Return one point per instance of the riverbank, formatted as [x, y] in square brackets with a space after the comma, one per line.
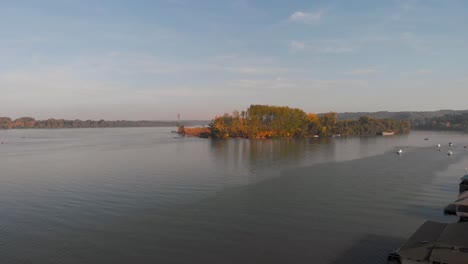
[32, 123]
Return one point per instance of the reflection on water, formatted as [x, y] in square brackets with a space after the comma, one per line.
[141, 195]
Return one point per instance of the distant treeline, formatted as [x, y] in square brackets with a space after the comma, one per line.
[264, 121]
[413, 116]
[457, 122]
[28, 122]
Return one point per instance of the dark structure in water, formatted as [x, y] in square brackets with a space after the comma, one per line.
[439, 243]
[434, 243]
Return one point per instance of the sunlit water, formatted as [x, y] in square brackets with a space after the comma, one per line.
[144, 195]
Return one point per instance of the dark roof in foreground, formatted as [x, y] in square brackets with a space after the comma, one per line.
[433, 241]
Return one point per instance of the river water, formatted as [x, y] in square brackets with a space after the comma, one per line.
[145, 195]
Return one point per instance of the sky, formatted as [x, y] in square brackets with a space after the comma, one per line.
[152, 59]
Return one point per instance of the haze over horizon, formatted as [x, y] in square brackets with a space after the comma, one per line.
[151, 60]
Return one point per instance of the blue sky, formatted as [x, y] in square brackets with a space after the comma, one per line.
[141, 59]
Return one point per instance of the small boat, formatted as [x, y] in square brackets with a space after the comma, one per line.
[390, 133]
[426, 139]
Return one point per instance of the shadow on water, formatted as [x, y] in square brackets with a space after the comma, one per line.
[312, 214]
[370, 249]
[345, 212]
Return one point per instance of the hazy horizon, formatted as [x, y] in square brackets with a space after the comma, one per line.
[210, 118]
[148, 60]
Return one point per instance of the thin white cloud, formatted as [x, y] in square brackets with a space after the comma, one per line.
[407, 36]
[365, 71]
[335, 50]
[127, 64]
[417, 72]
[338, 84]
[279, 83]
[176, 2]
[324, 47]
[62, 93]
[306, 17]
[295, 46]
[248, 8]
[162, 70]
[138, 63]
[395, 17]
[62, 83]
[415, 42]
[226, 57]
[257, 70]
[424, 71]
[262, 84]
[403, 7]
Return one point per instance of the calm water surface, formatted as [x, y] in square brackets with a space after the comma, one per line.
[143, 195]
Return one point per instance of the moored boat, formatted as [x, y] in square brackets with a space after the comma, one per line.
[386, 133]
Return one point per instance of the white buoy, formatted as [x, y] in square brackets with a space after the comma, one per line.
[450, 144]
[450, 153]
[399, 152]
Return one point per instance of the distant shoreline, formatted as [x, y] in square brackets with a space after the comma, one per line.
[31, 123]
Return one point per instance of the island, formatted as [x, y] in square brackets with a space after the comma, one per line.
[265, 121]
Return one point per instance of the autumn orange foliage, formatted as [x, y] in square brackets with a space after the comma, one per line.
[197, 131]
[265, 121]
